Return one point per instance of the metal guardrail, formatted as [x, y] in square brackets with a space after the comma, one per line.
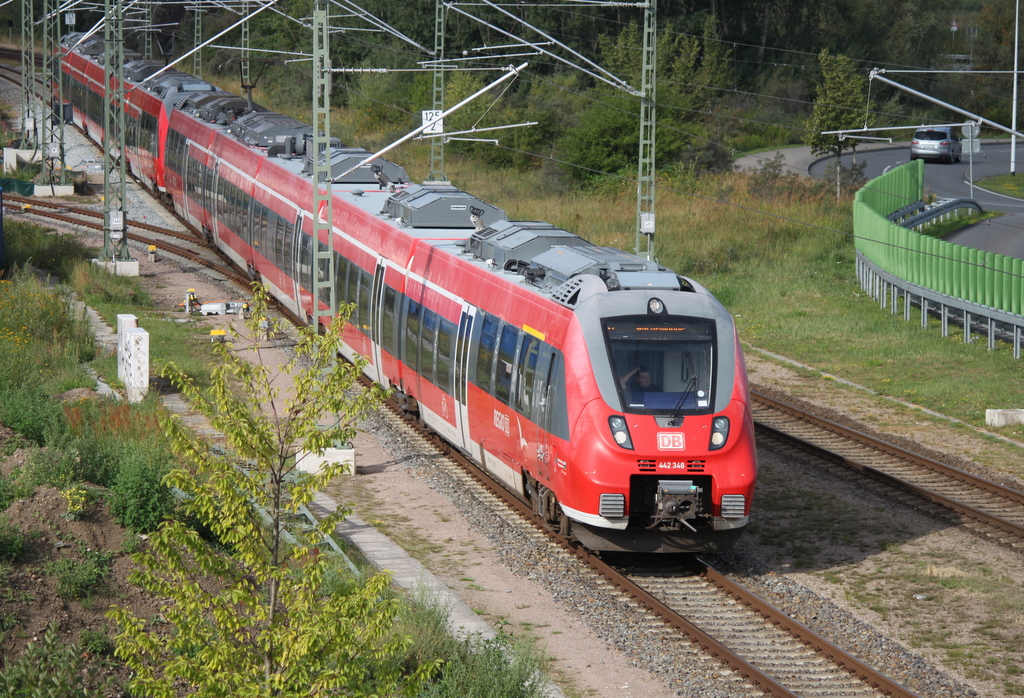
[941, 210]
[890, 290]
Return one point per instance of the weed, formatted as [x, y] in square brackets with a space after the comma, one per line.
[51, 667]
[13, 543]
[96, 642]
[79, 579]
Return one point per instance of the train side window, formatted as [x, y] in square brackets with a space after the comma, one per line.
[388, 329]
[365, 290]
[305, 259]
[323, 272]
[506, 361]
[341, 279]
[412, 336]
[352, 292]
[485, 353]
[445, 345]
[526, 370]
[266, 221]
[557, 406]
[427, 344]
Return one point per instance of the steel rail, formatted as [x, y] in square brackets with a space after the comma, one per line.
[177, 250]
[973, 481]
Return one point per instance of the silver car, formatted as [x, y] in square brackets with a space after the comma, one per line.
[936, 143]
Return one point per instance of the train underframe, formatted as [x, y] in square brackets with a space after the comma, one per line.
[669, 516]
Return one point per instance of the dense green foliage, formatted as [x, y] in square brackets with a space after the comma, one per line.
[51, 668]
[736, 77]
[261, 621]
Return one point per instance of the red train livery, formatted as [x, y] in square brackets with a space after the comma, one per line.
[608, 391]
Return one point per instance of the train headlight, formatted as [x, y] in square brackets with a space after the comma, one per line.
[655, 306]
[620, 432]
[719, 433]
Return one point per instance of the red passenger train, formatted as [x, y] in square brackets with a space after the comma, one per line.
[608, 391]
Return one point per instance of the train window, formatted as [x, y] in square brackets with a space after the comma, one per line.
[557, 409]
[340, 278]
[388, 329]
[427, 344]
[412, 335]
[365, 287]
[506, 359]
[323, 273]
[664, 365]
[266, 220]
[462, 361]
[485, 355]
[282, 242]
[173, 150]
[352, 291]
[526, 371]
[304, 266]
[445, 344]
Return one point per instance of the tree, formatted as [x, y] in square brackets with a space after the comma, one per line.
[839, 105]
[248, 613]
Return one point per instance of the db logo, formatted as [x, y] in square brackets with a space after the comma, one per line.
[671, 441]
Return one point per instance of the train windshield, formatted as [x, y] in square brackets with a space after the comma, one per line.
[663, 365]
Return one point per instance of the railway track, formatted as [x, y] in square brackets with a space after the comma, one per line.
[768, 651]
[980, 505]
[162, 238]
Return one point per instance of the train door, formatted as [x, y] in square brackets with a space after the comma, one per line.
[206, 194]
[546, 386]
[462, 349]
[215, 201]
[378, 317]
[294, 269]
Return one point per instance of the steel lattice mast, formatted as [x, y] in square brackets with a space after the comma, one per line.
[323, 255]
[115, 223]
[645, 173]
[437, 144]
[53, 125]
[28, 76]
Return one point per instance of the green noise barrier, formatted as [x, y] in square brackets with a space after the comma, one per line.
[975, 276]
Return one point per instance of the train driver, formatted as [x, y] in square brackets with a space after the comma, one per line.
[639, 381]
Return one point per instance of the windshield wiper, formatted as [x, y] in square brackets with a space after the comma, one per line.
[676, 418]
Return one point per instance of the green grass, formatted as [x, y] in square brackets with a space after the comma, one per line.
[1008, 185]
[940, 229]
[964, 607]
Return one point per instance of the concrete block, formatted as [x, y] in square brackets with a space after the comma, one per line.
[1004, 418]
[45, 190]
[310, 462]
[129, 268]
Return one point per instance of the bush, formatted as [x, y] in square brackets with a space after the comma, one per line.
[490, 669]
[51, 668]
[58, 467]
[13, 543]
[139, 501]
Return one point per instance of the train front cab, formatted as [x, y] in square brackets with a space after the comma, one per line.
[671, 468]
